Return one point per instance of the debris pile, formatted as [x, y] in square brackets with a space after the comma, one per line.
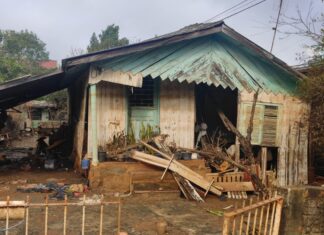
[234, 177]
[59, 190]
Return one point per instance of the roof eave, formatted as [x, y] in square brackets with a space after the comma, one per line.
[141, 46]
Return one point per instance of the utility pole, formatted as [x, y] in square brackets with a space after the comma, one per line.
[275, 28]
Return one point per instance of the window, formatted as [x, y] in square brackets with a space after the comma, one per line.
[144, 96]
[265, 123]
[270, 120]
[36, 114]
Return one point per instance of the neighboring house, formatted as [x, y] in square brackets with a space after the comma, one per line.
[34, 114]
[179, 79]
[48, 64]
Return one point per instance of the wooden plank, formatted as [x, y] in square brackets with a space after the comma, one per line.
[186, 188]
[77, 108]
[236, 186]
[176, 167]
[263, 164]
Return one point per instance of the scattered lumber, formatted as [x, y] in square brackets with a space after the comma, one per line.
[221, 155]
[177, 167]
[185, 186]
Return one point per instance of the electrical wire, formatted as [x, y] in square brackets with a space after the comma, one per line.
[236, 8]
[247, 8]
[214, 17]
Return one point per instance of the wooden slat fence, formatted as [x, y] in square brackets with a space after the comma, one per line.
[13, 210]
[262, 217]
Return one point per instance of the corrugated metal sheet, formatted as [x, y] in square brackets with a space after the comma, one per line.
[215, 59]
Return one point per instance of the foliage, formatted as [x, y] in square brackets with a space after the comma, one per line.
[20, 54]
[310, 24]
[312, 91]
[60, 98]
[108, 38]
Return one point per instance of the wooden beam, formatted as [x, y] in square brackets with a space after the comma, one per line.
[178, 168]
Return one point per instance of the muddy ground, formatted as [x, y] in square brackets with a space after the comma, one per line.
[140, 212]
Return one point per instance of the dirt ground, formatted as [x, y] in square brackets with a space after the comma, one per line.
[140, 212]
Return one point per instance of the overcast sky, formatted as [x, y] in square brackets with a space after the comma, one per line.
[67, 24]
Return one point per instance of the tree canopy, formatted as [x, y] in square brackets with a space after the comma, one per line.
[20, 54]
[108, 38]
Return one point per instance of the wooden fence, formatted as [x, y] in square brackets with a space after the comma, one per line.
[262, 217]
[20, 210]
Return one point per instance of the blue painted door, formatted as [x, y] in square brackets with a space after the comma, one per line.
[143, 106]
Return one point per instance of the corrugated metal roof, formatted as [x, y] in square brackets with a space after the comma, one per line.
[214, 59]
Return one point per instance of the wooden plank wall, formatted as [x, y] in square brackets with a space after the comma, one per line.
[177, 112]
[111, 112]
[293, 141]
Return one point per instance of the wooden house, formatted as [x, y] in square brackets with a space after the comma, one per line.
[175, 81]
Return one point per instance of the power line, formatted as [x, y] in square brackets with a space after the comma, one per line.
[275, 28]
[221, 13]
[237, 6]
[247, 8]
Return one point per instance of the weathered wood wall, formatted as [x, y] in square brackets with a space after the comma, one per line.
[111, 113]
[177, 112]
[293, 141]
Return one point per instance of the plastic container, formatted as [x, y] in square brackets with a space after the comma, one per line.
[85, 163]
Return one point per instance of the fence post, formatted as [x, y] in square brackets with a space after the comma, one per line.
[226, 225]
[27, 215]
[277, 219]
[119, 215]
[7, 216]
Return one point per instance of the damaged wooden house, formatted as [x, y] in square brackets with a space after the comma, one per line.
[173, 83]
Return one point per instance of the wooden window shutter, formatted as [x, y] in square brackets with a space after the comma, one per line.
[265, 123]
[270, 122]
[256, 136]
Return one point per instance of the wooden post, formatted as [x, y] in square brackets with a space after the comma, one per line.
[237, 153]
[276, 224]
[64, 215]
[93, 98]
[226, 225]
[264, 163]
[7, 216]
[27, 215]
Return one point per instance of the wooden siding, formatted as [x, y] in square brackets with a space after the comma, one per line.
[292, 141]
[177, 112]
[111, 113]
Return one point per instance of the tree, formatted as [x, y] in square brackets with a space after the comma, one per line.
[310, 25]
[20, 54]
[108, 38]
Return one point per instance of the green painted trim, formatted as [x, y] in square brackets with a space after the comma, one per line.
[127, 110]
[93, 100]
